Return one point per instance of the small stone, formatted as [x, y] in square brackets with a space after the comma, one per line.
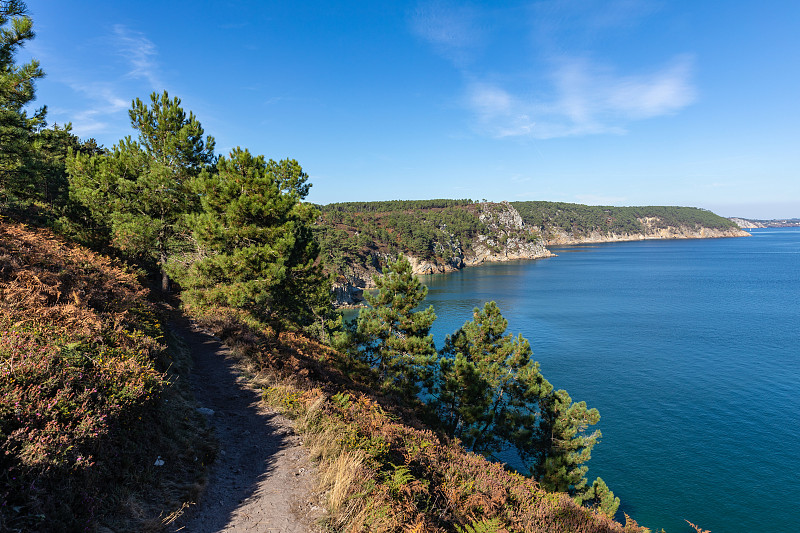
[205, 411]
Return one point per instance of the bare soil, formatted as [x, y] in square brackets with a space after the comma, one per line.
[262, 479]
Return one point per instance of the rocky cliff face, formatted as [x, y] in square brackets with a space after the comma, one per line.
[556, 236]
[772, 223]
[505, 238]
[744, 223]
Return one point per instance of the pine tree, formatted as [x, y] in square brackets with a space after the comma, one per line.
[399, 344]
[51, 146]
[600, 497]
[489, 385]
[255, 249]
[140, 190]
[563, 445]
[16, 91]
[491, 395]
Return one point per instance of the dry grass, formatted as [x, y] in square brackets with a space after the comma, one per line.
[382, 474]
[697, 528]
[89, 394]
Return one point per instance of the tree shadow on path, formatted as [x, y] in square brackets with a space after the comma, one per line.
[258, 452]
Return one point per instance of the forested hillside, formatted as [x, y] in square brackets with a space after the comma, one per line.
[578, 220]
[350, 232]
[357, 239]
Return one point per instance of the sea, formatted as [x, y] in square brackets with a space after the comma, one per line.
[690, 350]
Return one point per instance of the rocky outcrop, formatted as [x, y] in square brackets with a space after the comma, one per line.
[771, 223]
[744, 223]
[653, 230]
[505, 237]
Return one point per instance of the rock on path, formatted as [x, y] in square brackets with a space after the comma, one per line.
[262, 479]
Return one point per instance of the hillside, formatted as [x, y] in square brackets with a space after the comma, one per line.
[564, 223]
[358, 238]
[90, 394]
[89, 400]
[380, 468]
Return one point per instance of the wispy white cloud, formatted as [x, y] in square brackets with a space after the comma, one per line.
[585, 98]
[104, 104]
[105, 95]
[554, 18]
[453, 29]
[140, 53]
[576, 94]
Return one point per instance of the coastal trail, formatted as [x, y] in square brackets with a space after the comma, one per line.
[262, 479]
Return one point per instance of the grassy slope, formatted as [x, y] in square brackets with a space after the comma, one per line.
[85, 375]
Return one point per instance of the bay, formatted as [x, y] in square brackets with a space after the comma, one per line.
[690, 350]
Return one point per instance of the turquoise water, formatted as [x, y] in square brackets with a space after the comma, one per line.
[691, 352]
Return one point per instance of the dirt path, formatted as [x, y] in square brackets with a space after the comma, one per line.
[262, 479]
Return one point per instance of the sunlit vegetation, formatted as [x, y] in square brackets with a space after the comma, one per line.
[354, 233]
[380, 468]
[97, 429]
[83, 375]
[582, 220]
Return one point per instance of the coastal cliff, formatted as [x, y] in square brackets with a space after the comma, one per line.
[559, 237]
[437, 236]
[500, 234]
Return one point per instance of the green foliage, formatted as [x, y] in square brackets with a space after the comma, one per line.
[255, 250]
[399, 477]
[563, 445]
[392, 205]
[397, 339]
[582, 220]
[16, 92]
[600, 497]
[482, 525]
[490, 386]
[487, 390]
[51, 146]
[140, 190]
[436, 230]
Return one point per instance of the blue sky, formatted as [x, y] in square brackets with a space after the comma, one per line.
[617, 102]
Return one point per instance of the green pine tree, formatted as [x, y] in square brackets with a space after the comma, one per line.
[489, 385]
[563, 445]
[16, 92]
[600, 497]
[140, 190]
[398, 344]
[51, 146]
[491, 395]
[254, 247]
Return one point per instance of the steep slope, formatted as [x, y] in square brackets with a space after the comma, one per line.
[95, 426]
[358, 239]
[563, 223]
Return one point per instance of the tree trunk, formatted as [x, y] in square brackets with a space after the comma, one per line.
[164, 277]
